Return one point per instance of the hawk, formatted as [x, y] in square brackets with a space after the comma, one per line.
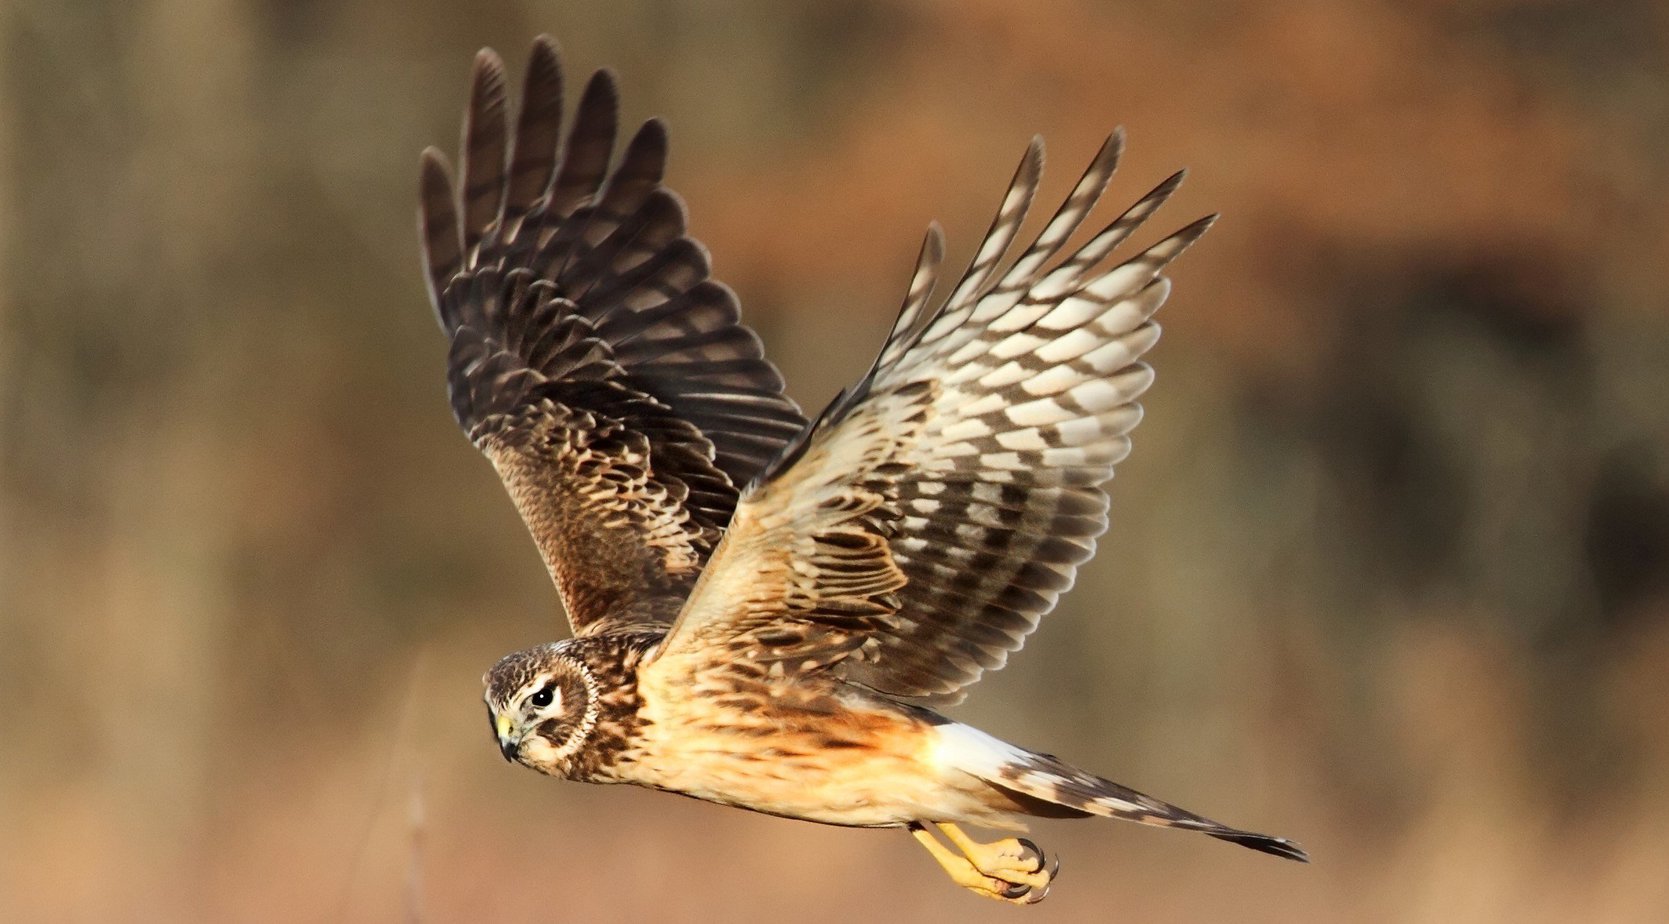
[765, 608]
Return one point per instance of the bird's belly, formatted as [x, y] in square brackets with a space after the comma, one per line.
[878, 778]
[861, 793]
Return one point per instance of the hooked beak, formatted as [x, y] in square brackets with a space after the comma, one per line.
[508, 743]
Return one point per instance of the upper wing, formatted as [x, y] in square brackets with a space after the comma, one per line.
[593, 360]
[914, 536]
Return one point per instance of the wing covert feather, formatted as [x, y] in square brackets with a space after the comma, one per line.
[913, 537]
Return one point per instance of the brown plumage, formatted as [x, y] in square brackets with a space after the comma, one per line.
[764, 607]
[593, 360]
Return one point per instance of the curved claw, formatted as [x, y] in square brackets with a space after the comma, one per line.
[1048, 865]
[1015, 891]
[1027, 895]
[1033, 853]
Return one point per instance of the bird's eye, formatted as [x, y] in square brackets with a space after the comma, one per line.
[542, 698]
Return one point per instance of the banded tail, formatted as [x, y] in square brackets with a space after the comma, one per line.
[1047, 778]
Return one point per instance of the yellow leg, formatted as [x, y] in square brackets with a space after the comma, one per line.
[1009, 870]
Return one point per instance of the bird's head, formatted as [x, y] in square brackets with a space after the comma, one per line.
[542, 704]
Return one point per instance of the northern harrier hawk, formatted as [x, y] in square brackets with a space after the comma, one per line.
[764, 607]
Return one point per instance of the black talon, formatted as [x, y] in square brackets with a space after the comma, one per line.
[1015, 890]
[1040, 895]
[1030, 847]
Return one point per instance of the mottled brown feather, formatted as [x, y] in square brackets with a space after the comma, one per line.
[593, 359]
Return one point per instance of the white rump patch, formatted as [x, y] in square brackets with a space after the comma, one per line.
[965, 748]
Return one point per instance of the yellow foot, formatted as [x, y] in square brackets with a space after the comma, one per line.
[1011, 870]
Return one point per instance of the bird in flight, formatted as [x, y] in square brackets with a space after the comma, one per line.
[766, 609]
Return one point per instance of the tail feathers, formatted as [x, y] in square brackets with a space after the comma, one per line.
[1046, 777]
[1263, 843]
[1052, 780]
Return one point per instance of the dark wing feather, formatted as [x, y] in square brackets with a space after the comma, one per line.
[936, 511]
[593, 360]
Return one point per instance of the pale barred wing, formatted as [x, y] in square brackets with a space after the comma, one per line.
[915, 536]
[593, 360]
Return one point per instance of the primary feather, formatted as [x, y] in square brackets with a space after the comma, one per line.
[913, 536]
[593, 359]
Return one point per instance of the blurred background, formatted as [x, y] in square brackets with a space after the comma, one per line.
[1388, 572]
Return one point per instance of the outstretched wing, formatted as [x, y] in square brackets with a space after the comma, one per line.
[914, 537]
[593, 360]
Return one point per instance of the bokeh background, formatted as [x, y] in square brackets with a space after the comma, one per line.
[1388, 573]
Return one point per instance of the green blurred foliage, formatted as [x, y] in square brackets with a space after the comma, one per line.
[1389, 569]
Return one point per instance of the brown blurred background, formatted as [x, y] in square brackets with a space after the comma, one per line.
[1388, 573]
